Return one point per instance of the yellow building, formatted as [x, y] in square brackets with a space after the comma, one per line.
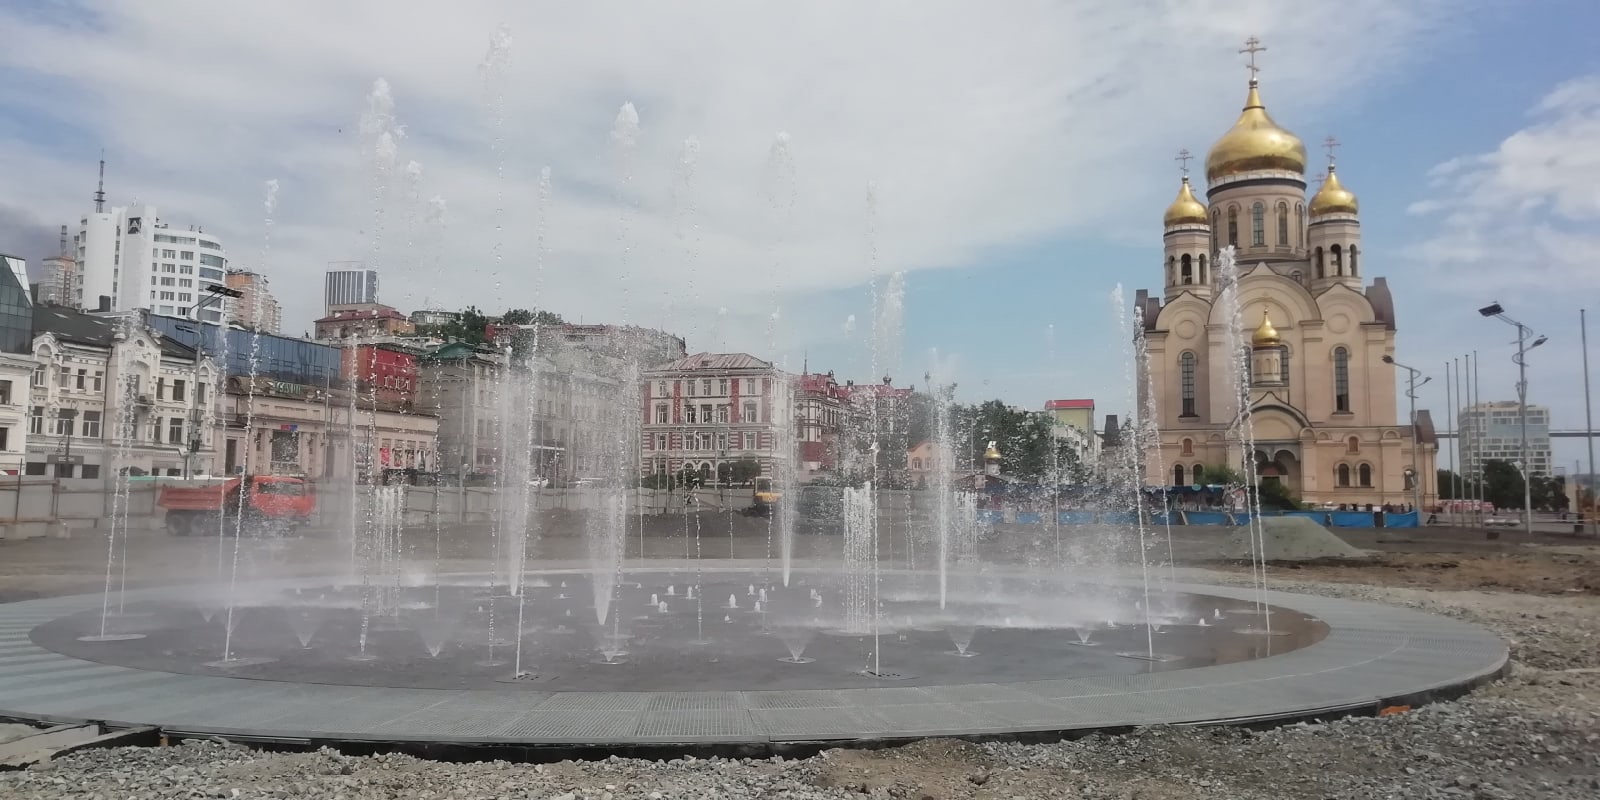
[1322, 399]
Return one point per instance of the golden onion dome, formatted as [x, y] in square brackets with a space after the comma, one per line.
[1186, 209]
[1333, 198]
[1266, 335]
[1255, 143]
[992, 454]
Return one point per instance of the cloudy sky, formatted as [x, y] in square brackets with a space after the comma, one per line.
[1013, 159]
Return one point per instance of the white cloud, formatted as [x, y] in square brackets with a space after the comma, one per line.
[1522, 219]
[982, 124]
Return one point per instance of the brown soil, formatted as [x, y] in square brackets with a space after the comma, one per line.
[1536, 572]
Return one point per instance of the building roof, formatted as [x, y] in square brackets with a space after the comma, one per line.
[72, 325]
[1057, 405]
[357, 314]
[714, 361]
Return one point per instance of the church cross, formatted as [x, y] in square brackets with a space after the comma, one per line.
[1330, 144]
[1183, 158]
[1252, 46]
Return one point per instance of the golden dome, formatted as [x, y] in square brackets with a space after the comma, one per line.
[1266, 335]
[1254, 143]
[1186, 209]
[992, 454]
[1333, 198]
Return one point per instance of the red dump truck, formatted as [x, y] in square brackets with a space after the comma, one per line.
[272, 503]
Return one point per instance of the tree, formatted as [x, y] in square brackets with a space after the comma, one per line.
[522, 316]
[746, 470]
[1502, 483]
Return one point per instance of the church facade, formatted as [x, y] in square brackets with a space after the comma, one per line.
[1310, 337]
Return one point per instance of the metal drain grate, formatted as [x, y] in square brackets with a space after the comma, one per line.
[885, 675]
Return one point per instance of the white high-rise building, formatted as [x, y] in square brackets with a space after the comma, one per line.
[350, 287]
[130, 255]
[1493, 432]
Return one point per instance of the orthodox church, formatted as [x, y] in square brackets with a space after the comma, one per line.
[1316, 333]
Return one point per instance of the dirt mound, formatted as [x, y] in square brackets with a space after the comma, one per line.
[1291, 539]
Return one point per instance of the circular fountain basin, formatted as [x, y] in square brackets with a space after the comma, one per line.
[711, 677]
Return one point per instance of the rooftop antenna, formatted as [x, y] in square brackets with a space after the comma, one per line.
[100, 190]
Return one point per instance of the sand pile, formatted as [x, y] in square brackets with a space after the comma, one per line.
[1291, 539]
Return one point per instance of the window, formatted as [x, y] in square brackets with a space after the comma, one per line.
[175, 431]
[1353, 271]
[1188, 447]
[161, 388]
[63, 470]
[1186, 270]
[1353, 445]
[1341, 380]
[169, 268]
[722, 387]
[5, 438]
[212, 274]
[1338, 259]
[705, 387]
[64, 423]
[749, 441]
[1203, 278]
[661, 413]
[1341, 475]
[1216, 224]
[185, 297]
[750, 386]
[34, 468]
[1177, 475]
[169, 282]
[212, 261]
[167, 295]
[661, 388]
[99, 380]
[689, 415]
[1258, 225]
[722, 414]
[81, 380]
[705, 413]
[722, 441]
[1283, 224]
[1283, 365]
[36, 420]
[1365, 474]
[189, 282]
[1300, 223]
[63, 377]
[91, 470]
[91, 424]
[690, 385]
[185, 269]
[187, 255]
[38, 376]
[749, 413]
[1186, 365]
[1172, 270]
[178, 385]
[165, 253]
[1316, 259]
[1233, 226]
[5, 393]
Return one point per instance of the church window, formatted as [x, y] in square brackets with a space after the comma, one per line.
[1258, 225]
[1283, 365]
[1177, 475]
[1297, 276]
[1341, 380]
[1364, 474]
[1203, 277]
[1216, 222]
[1172, 270]
[1317, 259]
[1187, 269]
[1188, 448]
[1283, 224]
[1186, 363]
[1233, 226]
[1353, 271]
[1353, 445]
[1341, 475]
[1338, 260]
[1300, 223]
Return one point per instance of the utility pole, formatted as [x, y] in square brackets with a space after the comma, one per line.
[1588, 423]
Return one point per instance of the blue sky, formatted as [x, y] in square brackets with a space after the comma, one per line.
[1021, 153]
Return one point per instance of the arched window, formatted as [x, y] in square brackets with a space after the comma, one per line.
[1199, 473]
[1203, 277]
[1353, 271]
[1283, 224]
[1365, 474]
[1258, 225]
[1341, 475]
[1317, 259]
[1353, 445]
[1341, 380]
[1297, 276]
[1283, 365]
[1300, 223]
[1216, 224]
[1233, 226]
[1338, 260]
[1188, 447]
[1172, 270]
[1177, 475]
[1186, 367]
[1186, 269]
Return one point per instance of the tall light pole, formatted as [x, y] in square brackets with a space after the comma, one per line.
[214, 295]
[1523, 346]
[1588, 422]
[1416, 463]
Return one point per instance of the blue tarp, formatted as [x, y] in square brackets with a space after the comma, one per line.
[1351, 519]
[1406, 520]
[1076, 517]
[1205, 517]
[1120, 518]
[986, 515]
[1030, 517]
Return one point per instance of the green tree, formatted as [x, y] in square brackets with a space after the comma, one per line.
[746, 470]
[1502, 484]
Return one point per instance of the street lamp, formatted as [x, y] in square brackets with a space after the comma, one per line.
[214, 294]
[1416, 465]
[1520, 359]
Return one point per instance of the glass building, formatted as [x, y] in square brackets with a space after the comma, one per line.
[16, 309]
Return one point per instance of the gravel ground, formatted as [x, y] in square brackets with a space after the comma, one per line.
[1534, 735]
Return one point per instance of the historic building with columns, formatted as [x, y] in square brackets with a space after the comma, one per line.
[1311, 333]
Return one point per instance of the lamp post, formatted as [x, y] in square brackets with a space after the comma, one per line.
[1523, 346]
[1416, 463]
[214, 295]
